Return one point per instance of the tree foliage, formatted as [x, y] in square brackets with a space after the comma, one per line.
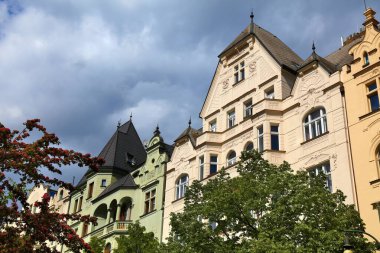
[267, 208]
[24, 155]
[97, 245]
[137, 241]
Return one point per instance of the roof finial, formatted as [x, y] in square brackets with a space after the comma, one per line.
[118, 123]
[313, 47]
[130, 117]
[157, 131]
[251, 25]
[190, 122]
[365, 5]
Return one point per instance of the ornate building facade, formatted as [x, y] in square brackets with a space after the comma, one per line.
[361, 80]
[264, 96]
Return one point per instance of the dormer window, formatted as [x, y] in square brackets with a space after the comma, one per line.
[131, 159]
[365, 59]
[239, 74]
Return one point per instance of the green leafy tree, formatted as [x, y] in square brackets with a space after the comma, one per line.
[267, 208]
[97, 245]
[137, 241]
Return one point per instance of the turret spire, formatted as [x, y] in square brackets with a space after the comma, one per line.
[251, 25]
[190, 122]
[157, 131]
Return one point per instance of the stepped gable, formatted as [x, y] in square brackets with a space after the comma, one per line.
[125, 182]
[278, 49]
[341, 56]
[123, 143]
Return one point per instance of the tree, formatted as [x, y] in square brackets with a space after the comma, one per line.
[24, 157]
[267, 208]
[137, 241]
[97, 245]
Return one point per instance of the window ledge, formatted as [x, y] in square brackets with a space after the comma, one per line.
[177, 200]
[229, 128]
[147, 214]
[375, 182]
[237, 83]
[369, 114]
[274, 150]
[365, 65]
[315, 138]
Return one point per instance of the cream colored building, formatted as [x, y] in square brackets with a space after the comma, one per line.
[361, 79]
[264, 96]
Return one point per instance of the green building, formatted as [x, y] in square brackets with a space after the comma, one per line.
[128, 187]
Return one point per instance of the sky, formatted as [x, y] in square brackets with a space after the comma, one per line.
[83, 66]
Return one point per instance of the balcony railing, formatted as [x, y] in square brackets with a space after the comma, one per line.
[109, 229]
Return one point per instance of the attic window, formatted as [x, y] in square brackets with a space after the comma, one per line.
[239, 74]
[269, 93]
[131, 159]
[365, 59]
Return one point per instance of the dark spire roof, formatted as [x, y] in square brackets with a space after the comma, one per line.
[191, 133]
[314, 57]
[279, 51]
[157, 131]
[123, 143]
[123, 183]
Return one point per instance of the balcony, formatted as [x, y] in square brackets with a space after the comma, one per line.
[109, 229]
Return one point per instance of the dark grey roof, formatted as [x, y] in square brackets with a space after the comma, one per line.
[123, 183]
[341, 57]
[191, 133]
[280, 52]
[124, 141]
[330, 67]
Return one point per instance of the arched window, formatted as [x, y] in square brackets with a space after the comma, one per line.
[231, 158]
[365, 58]
[378, 159]
[107, 249]
[249, 146]
[315, 124]
[181, 186]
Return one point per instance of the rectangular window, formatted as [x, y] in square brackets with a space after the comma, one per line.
[104, 183]
[230, 119]
[213, 164]
[373, 97]
[213, 126]
[274, 138]
[201, 167]
[75, 206]
[90, 190]
[325, 169]
[248, 108]
[150, 201]
[85, 229]
[260, 139]
[80, 204]
[239, 72]
[269, 93]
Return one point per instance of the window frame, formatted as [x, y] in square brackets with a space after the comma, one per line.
[90, 190]
[213, 125]
[180, 186]
[308, 123]
[231, 161]
[213, 164]
[150, 201]
[231, 118]
[269, 93]
[103, 183]
[365, 59]
[201, 167]
[322, 167]
[239, 72]
[248, 108]
[247, 144]
[373, 93]
[274, 134]
[260, 138]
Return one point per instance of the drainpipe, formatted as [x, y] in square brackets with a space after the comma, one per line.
[349, 148]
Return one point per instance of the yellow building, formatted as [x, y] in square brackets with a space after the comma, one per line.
[361, 80]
